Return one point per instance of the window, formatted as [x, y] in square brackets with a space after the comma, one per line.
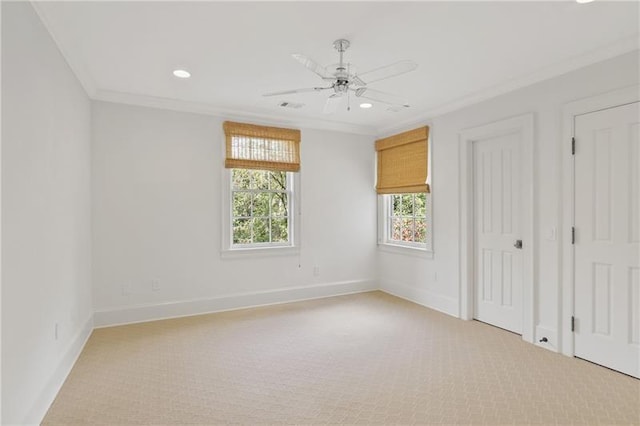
[405, 221]
[261, 194]
[407, 218]
[404, 216]
[260, 207]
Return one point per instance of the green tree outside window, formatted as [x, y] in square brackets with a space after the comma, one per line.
[260, 207]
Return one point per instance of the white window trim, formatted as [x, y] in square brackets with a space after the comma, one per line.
[412, 249]
[262, 249]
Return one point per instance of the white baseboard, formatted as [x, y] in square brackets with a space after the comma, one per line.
[151, 312]
[55, 382]
[438, 302]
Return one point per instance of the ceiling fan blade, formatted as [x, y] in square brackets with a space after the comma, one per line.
[358, 81]
[332, 103]
[378, 96]
[313, 66]
[289, 92]
[387, 71]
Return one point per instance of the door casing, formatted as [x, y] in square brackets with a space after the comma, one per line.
[566, 291]
[523, 124]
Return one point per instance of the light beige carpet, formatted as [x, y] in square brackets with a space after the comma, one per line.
[365, 358]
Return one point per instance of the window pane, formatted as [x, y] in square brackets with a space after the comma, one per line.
[242, 231]
[241, 178]
[278, 181]
[421, 231]
[407, 229]
[241, 204]
[280, 230]
[420, 206]
[407, 220]
[259, 207]
[396, 229]
[279, 204]
[261, 179]
[260, 230]
[261, 204]
[407, 205]
[395, 204]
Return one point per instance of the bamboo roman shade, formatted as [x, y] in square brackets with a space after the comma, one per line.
[261, 147]
[402, 162]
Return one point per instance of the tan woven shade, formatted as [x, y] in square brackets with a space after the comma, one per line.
[261, 147]
[402, 162]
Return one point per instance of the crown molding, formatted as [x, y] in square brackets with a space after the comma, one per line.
[418, 118]
[227, 113]
[610, 51]
[77, 67]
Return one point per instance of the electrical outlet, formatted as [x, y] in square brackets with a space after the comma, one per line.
[126, 290]
[316, 271]
[155, 285]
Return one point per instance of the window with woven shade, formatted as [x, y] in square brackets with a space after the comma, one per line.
[249, 146]
[262, 188]
[404, 191]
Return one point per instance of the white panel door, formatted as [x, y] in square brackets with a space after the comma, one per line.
[497, 262]
[607, 222]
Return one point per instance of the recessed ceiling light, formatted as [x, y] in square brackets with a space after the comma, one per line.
[366, 105]
[584, 1]
[182, 73]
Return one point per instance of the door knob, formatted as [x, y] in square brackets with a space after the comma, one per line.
[518, 244]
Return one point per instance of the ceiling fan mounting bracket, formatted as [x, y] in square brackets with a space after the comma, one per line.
[341, 45]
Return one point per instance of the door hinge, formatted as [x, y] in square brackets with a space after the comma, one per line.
[573, 146]
[573, 235]
[573, 323]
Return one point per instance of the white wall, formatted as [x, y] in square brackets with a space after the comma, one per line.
[46, 240]
[0, 220]
[157, 179]
[436, 282]
[142, 202]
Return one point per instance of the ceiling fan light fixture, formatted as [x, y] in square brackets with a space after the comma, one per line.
[181, 73]
[341, 78]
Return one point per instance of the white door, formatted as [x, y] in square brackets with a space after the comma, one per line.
[497, 226]
[607, 236]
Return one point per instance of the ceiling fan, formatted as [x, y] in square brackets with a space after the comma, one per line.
[343, 81]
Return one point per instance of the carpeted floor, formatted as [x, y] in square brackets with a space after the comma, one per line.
[365, 358]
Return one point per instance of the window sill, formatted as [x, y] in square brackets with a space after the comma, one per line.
[239, 253]
[406, 250]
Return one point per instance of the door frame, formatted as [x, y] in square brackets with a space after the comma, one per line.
[570, 111]
[523, 124]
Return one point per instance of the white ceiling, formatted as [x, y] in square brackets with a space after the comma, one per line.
[237, 51]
